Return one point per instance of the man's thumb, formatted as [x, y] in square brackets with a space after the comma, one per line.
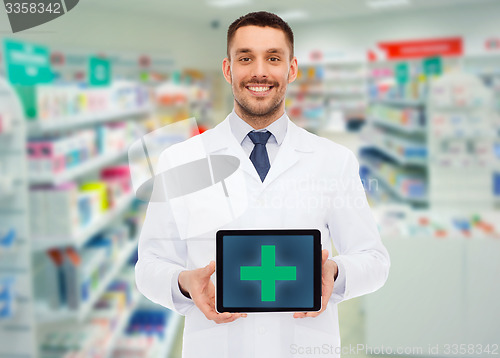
[210, 268]
[324, 255]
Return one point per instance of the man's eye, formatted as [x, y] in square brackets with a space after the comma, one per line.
[274, 59]
[245, 59]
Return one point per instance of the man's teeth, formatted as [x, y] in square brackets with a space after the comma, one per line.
[259, 89]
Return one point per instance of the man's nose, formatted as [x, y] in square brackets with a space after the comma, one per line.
[259, 69]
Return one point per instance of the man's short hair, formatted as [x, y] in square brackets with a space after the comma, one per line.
[262, 19]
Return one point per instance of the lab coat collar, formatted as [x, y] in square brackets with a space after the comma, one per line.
[297, 142]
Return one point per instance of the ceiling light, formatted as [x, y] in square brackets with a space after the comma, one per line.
[380, 4]
[293, 15]
[228, 3]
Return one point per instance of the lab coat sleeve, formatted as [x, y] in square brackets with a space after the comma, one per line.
[363, 260]
[162, 256]
[339, 285]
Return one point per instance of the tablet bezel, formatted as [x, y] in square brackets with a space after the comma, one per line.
[317, 261]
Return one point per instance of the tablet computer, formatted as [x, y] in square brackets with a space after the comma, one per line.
[268, 270]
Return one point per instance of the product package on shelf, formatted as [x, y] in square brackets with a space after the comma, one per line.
[6, 123]
[53, 291]
[54, 210]
[8, 237]
[7, 297]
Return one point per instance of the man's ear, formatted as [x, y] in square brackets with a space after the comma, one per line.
[292, 73]
[226, 70]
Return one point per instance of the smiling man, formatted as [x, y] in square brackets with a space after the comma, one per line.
[259, 74]
[285, 171]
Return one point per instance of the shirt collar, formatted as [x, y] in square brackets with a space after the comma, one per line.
[240, 128]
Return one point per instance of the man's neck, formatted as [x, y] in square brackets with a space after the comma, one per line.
[259, 122]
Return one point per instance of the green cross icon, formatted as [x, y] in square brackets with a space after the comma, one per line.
[268, 273]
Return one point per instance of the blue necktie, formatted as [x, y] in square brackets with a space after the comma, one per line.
[259, 155]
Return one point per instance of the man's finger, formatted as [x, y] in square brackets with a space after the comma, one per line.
[313, 314]
[209, 269]
[233, 317]
[299, 315]
[226, 317]
[208, 310]
[324, 257]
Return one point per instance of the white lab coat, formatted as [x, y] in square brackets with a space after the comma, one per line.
[312, 183]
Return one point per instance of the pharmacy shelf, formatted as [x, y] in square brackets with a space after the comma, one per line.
[336, 80]
[398, 158]
[79, 170]
[173, 327]
[42, 127]
[123, 323]
[397, 127]
[44, 315]
[17, 330]
[394, 155]
[391, 188]
[81, 238]
[400, 102]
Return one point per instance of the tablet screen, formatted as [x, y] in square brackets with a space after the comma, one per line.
[268, 270]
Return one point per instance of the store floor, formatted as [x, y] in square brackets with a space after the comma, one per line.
[351, 329]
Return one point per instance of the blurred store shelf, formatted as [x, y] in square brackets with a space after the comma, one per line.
[397, 193]
[122, 324]
[173, 326]
[45, 315]
[81, 169]
[37, 127]
[77, 241]
[398, 158]
[398, 127]
[400, 102]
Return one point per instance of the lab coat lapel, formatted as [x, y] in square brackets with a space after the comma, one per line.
[220, 140]
[295, 144]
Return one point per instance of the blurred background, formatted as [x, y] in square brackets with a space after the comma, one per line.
[411, 86]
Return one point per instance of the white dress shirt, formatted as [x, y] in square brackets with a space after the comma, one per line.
[240, 130]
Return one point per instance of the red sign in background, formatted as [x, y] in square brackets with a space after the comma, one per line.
[451, 46]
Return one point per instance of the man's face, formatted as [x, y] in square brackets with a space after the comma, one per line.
[259, 70]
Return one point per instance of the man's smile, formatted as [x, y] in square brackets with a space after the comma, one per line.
[259, 90]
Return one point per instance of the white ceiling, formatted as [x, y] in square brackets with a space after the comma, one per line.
[200, 11]
[182, 29]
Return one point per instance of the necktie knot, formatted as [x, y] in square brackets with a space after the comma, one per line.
[259, 137]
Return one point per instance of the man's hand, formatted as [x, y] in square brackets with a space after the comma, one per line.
[202, 291]
[328, 273]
